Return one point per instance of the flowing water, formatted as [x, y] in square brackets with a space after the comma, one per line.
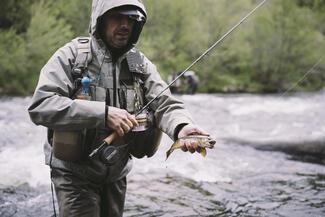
[245, 175]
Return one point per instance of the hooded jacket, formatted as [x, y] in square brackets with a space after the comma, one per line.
[53, 108]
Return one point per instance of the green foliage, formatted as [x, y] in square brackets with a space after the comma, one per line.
[15, 14]
[163, 35]
[289, 47]
[318, 7]
[76, 13]
[12, 63]
[175, 36]
[270, 52]
[23, 55]
[45, 34]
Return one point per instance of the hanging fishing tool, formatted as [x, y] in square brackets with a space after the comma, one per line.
[108, 140]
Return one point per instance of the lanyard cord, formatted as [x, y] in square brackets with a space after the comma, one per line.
[203, 55]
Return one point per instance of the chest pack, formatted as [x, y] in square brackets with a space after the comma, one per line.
[74, 145]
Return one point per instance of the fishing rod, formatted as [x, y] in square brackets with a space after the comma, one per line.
[304, 76]
[113, 136]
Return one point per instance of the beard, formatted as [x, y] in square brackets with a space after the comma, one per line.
[119, 38]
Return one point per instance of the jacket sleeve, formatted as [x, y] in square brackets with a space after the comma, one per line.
[170, 112]
[51, 105]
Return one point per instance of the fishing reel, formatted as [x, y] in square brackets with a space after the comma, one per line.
[145, 121]
[109, 155]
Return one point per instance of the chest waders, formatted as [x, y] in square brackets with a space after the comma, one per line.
[74, 146]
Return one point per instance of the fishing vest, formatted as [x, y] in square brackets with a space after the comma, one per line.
[128, 95]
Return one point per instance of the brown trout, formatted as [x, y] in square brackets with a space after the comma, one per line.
[202, 141]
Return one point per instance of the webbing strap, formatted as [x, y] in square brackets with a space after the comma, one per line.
[136, 64]
[84, 56]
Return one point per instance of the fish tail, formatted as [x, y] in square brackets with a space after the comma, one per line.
[204, 152]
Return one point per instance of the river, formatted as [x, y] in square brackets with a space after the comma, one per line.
[269, 160]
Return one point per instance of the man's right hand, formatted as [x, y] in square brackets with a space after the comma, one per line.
[120, 120]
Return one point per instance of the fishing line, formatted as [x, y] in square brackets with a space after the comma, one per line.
[304, 76]
[203, 55]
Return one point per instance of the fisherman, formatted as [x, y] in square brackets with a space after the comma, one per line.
[84, 95]
[192, 82]
[174, 88]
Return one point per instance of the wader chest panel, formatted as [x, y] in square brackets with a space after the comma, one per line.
[129, 92]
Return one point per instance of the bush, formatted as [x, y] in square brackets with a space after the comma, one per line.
[45, 34]
[23, 55]
[12, 63]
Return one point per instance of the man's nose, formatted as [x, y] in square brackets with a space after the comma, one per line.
[125, 21]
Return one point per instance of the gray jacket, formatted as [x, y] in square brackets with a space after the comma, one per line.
[53, 108]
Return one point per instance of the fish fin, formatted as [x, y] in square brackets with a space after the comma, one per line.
[204, 152]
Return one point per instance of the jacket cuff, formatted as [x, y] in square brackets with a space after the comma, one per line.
[178, 129]
[106, 115]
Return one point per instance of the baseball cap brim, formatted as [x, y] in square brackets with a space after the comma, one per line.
[132, 13]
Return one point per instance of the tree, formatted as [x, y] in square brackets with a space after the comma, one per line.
[19, 68]
[45, 34]
[268, 53]
[76, 13]
[15, 14]
[12, 63]
[284, 45]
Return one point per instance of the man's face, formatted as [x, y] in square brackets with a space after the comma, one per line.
[118, 29]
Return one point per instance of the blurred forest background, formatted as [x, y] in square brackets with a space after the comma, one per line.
[268, 53]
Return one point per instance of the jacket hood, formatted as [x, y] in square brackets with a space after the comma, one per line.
[100, 7]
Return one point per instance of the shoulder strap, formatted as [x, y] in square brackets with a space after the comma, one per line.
[134, 60]
[84, 55]
[136, 64]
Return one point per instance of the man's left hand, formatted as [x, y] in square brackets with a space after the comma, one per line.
[187, 144]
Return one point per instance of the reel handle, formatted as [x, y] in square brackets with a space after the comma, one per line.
[108, 140]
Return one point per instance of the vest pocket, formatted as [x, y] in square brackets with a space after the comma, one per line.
[130, 100]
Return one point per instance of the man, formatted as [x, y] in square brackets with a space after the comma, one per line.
[192, 82]
[94, 187]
